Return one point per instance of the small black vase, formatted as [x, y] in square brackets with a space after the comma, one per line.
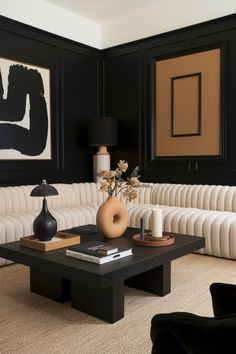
[45, 225]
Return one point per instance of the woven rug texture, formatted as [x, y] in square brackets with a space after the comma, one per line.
[33, 324]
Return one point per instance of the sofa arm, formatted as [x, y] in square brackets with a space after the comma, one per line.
[185, 333]
[223, 298]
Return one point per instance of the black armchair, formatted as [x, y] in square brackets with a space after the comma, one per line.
[186, 333]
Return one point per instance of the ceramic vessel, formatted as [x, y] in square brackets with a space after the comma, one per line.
[45, 225]
[112, 218]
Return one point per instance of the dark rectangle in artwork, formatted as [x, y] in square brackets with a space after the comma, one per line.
[184, 106]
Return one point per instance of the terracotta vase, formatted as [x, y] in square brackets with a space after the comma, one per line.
[112, 218]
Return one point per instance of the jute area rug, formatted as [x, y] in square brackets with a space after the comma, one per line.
[33, 324]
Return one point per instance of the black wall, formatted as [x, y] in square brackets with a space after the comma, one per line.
[75, 97]
[118, 81]
[129, 90]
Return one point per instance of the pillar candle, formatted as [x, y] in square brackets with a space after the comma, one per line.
[157, 222]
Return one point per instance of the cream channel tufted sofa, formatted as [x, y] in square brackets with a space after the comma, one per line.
[200, 210]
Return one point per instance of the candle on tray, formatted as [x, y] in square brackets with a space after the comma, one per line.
[156, 222]
[142, 228]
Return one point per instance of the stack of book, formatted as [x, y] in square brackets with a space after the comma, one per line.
[98, 252]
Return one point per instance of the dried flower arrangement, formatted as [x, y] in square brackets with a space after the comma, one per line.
[114, 184]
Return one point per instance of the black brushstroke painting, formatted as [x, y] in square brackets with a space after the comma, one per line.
[32, 141]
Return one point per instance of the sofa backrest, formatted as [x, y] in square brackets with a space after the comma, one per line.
[18, 200]
[222, 198]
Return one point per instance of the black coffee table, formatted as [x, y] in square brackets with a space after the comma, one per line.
[99, 289]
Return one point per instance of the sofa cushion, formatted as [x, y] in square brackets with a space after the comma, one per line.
[219, 228]
[75, 215]
[221, 198]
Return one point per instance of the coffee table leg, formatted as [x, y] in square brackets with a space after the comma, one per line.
[104, 303]
[156, 281]
[49, 285]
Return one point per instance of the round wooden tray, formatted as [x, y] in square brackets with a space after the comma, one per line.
[165, 240]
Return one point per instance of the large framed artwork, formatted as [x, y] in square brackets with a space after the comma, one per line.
[188, 106]
[25, 111]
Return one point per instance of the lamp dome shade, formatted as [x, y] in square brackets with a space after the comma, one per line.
[43, 190]
[102, 131]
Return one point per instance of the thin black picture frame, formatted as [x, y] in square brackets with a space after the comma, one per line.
[149, 157]
[173, 79]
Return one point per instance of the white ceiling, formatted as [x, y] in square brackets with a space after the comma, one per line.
[102, 10]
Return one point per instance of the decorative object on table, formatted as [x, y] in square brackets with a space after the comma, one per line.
[154, 237]
[112, 216]
[61, 239]
[149, 241]
[142, 228]
[102, 132]
[157, 222]
[45, 225]
[86, 229]
[87, 251]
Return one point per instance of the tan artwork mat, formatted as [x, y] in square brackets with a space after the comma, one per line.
[188, 119]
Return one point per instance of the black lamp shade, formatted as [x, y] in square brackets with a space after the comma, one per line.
[43, 190]
[102, 131]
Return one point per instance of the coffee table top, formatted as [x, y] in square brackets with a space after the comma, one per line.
[143, 258]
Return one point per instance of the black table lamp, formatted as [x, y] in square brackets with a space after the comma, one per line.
[102, 132]
[45, 225]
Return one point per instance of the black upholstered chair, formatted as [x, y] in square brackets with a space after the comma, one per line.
[186, 333]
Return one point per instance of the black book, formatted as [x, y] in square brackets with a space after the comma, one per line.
[89, 251]
[86, 229]
[107, 249]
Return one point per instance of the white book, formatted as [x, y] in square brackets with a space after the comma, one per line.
[83, 253]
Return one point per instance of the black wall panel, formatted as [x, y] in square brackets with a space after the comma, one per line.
[75, 97]
[80, 72]
[140, 103]
[121, 88]
[117, 81]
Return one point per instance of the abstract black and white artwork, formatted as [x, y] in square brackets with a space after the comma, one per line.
[25, 114]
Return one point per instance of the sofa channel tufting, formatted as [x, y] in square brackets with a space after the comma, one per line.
[199, 210]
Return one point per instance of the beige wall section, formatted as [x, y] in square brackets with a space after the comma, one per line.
[186, 105]
[160, 16]
[153, 18]
[46, 16]
[208, 64]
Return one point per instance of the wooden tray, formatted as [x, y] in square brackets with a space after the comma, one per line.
[60, 240]
[166, 240]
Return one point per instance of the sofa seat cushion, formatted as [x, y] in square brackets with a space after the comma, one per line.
[218, 227]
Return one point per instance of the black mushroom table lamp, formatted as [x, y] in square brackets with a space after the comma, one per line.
[45, 225]
[102, 132]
